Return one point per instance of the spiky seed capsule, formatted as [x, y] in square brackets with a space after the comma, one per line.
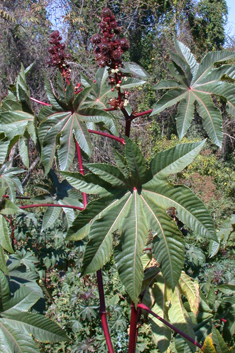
[96, 39]
[106, 12]
[124, 44]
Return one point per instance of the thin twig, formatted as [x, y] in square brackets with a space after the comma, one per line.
[51, 205]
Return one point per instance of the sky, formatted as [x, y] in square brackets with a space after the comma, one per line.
[231, 17]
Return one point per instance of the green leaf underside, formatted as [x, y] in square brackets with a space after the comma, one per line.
[99, 248]
[130, 212]
[39, 326]
[131, 244]
[168, 245]
[15, 341]
[190, 209]
[175, 160]
[81, 225]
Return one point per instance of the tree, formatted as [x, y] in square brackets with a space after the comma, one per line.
[207, 24]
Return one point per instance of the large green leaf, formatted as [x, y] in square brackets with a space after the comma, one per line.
[197, 82]
[67, 125]
[138, 203]
[223, 235]
[7, 207]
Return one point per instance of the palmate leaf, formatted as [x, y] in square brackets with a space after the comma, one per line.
[65, 123]
[135, 204]
[196, 83]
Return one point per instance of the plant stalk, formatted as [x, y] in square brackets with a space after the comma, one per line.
[51, 205]
[40, 102]
[136, 115]
[144, 307]
[119, 139]
[99, 273]
[133, 329]
[103, 312]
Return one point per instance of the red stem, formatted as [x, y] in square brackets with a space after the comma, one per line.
[40, 102]
[128, 128]
[51, 205]
[103, 312]
[133, 329]
[142, 113]
[80, 90]
[144, 307]
[119, 139]
[109, 109]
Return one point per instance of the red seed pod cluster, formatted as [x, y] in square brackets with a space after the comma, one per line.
[57, 56]
[108, 47]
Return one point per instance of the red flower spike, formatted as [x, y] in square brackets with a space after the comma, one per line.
[58, 58]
